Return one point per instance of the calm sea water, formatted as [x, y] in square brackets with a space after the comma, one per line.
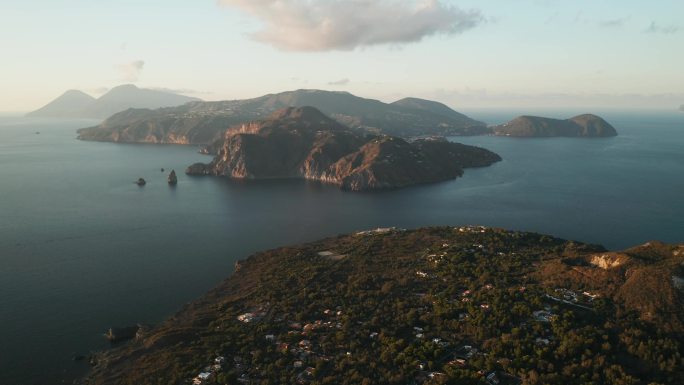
[82, 248]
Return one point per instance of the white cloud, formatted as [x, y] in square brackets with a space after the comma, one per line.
[131, 71]
[324, 25]
[341, 82]
[610, 23]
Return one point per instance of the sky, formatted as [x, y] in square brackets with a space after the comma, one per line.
[465, 53]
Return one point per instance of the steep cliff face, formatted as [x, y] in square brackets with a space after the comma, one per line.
[586, 125]
[304, 143]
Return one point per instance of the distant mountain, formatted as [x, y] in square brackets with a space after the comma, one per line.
[204, 122]
[76, 104]
[586, 125]
[70, 104]
[301, 142]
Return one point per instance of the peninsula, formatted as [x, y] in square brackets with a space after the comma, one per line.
[464, 305]
[301, 142]
[586, 125]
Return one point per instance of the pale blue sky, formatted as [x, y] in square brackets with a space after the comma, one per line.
[537, 53]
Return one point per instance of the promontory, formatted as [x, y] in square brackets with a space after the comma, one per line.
[446, 305]
[301, 142]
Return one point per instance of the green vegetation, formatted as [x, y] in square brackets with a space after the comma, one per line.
[436, 305]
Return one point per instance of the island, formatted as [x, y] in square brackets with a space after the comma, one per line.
[301, 142]
[457, 305]
[78, 104]
[202, 123]
[586, 125]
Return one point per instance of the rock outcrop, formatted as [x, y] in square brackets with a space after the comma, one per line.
[172, 178]
[304, 143]
[586, 125]
[114, 335]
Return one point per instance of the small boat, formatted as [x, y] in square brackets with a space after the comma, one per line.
[172, 179]
[141, 182]
[162, 169]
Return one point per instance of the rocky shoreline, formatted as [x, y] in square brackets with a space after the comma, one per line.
[305, 144]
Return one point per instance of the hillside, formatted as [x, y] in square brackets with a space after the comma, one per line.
[77, 104]
[465, 305]
[304, 143]
[586, 125]
[204, 122]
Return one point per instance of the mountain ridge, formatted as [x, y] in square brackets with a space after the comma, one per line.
[77, 104]
[204, 122]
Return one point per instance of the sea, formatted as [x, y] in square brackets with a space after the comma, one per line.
[83, 248]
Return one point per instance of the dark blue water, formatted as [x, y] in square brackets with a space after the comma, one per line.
[82, 248]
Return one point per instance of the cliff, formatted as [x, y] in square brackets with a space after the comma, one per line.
[586, 125]
[304, 143]
[205, 122]
[392, 306]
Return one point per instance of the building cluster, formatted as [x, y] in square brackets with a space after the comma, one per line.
[210, 371]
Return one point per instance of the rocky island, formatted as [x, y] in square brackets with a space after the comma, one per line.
[586, 125]
[456, 305]
[303, 143]
[205, 122]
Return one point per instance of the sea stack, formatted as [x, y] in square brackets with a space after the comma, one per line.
[172, 179]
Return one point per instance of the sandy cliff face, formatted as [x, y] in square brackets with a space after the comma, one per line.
[304, 143]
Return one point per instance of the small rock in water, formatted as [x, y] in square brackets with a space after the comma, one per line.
[172, 179]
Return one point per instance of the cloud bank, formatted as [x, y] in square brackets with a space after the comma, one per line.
[655, 28]
[325, 25]
[131, 71]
